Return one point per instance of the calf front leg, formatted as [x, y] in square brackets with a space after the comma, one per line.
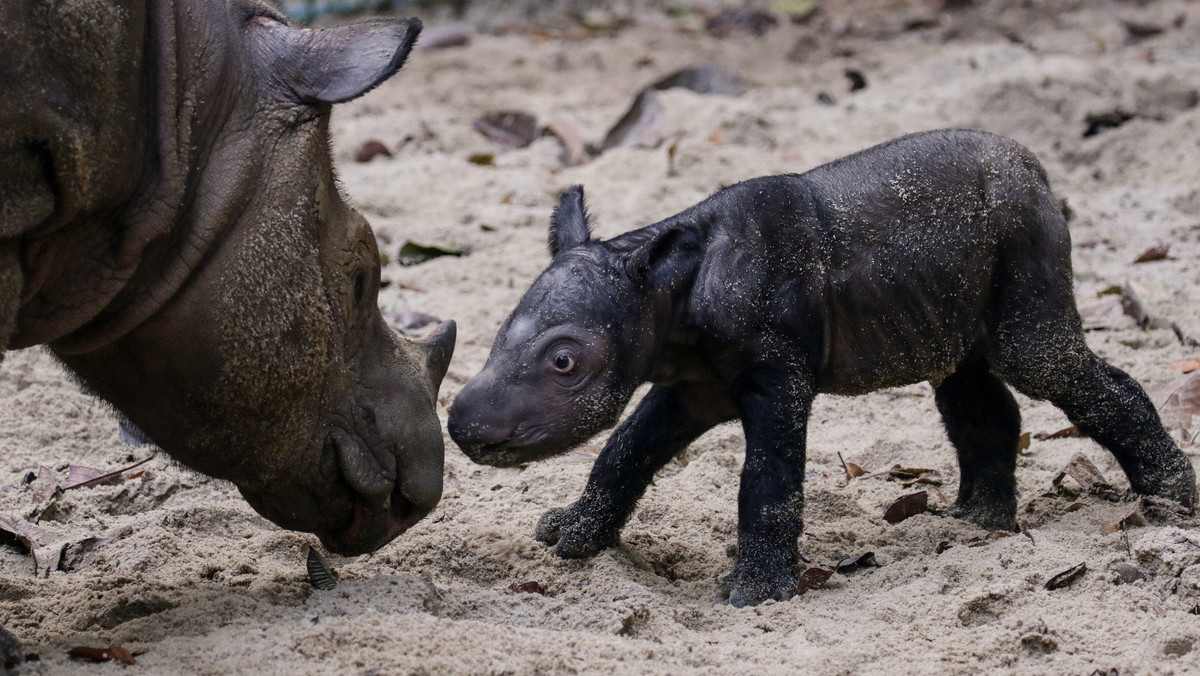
[774, 406]
[664, 423]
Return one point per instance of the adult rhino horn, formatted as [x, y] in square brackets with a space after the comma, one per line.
[329, 65]
[438, 348]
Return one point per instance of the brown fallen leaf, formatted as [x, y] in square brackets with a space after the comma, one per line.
[568, 135]
[813, 577]
[411, 253]
[531, 587]
[370, 150]
[1106, 313]
[482, 159]
[508, 128]
[88, 477]
[1178, 402]
[1064, 433]
[1067, 577]
[1154, 253]
[906, 506]
[1023, 442]
[1088, 476]
[44, 485]
[1185, 365]
[705, 79]
[852, 470]
[45, 545]
[640, 126]
[111, 653]
[989, 538]
[853, 563]
[1129, 517]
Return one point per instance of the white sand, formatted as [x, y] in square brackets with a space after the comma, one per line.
[187, 575]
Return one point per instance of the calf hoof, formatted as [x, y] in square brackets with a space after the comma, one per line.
[574, 533]
[992, 515]
[751, 585]
[1177, 484]
[10, 651]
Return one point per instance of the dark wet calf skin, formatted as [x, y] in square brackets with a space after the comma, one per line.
[940, 256]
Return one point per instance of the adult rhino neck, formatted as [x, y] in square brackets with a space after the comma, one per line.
[95, 272]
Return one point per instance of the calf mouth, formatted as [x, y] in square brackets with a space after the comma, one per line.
[381, 511]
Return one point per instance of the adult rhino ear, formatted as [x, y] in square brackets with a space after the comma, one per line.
[569, 224]
[330, 65]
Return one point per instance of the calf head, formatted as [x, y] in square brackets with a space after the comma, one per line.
[271, 365]
[567, 360]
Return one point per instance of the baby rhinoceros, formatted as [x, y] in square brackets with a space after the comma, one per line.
[940, 256]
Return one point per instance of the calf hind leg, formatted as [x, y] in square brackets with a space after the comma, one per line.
[984, 425]
[1108, 406]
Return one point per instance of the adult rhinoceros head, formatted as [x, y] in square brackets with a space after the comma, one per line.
[241, 332]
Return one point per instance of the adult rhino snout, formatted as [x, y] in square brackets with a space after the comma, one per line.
[395, 467]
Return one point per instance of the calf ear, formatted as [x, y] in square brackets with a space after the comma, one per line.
[330, 65]
[569, 224]
[661, 256]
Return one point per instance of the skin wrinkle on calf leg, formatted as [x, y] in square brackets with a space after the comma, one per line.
[984, 425]
[666, 420]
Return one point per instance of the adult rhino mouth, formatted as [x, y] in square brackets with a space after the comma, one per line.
[381, 511]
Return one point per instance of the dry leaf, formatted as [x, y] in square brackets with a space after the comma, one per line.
[508, 128]
[1067, 577]
[1178, 402]
[1064, 433]
[1154, 253]
[853, 563]
[641, 126]
[812, 578]
[1106, 313]
[113, 652]
[1128, 517]
[1087, 475]
[1186, 365]
[412, 253]
[531, 587]
[87, 477]
[44, 544]
[906, 506]
[44, 485]
[572, 143]
[370, 150]
[1023, 442]
[705, 79]
[989, 538]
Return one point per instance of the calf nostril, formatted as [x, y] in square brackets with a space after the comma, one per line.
[367, 413]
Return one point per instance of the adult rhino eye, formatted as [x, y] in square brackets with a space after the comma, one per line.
[360, 287]
[564, 363]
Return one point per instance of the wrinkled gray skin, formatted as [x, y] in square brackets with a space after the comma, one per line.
[171, 227]
[940, 256]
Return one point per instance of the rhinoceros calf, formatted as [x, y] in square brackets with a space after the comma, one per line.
[171, 227]
[940, 256]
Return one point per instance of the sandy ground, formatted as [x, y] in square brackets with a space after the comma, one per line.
[184, 573]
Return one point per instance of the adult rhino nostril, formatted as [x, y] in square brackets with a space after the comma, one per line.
[359, 467]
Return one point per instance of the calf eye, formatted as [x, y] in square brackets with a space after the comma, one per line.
[360, 287]
[564, 363]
